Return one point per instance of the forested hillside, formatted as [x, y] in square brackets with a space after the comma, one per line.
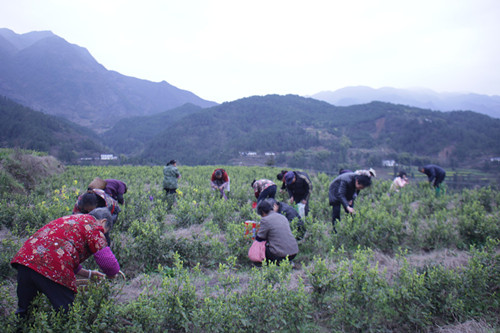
[131, 135]
[307, 133]
[21, 127]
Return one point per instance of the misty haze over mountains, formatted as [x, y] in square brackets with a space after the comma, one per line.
[148, 122]
[422, 98]
[44, 72]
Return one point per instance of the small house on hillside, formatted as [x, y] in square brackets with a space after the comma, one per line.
[108, 157]
[389, 163]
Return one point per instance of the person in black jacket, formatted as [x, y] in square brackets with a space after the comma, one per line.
[290, 213]
[435, 175]
[342, 192]
[299, 188]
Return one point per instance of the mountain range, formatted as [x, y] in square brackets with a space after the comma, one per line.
[46, 73]
[50, 85]
[307, 133]
[422, 98]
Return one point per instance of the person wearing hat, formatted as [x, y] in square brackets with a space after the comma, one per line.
[220, 182]
[299, 187]
[370, 172]
[171, 176]
[342, 192]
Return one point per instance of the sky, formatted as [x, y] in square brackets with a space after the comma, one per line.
[223, 50]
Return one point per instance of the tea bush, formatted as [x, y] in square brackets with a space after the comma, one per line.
[197, 251]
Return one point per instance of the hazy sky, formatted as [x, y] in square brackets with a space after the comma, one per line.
[223, 50]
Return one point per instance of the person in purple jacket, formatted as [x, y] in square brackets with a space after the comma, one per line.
[116, 189]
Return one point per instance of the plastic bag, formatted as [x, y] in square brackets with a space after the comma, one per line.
[257, 252]
[301, 208]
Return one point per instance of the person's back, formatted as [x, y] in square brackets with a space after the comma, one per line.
[45, 252]
[115, 188]
[170, 177]
[302, 185]
[342, 188]
[275, 229]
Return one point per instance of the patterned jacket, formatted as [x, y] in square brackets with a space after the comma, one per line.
[260, 185]
[56, 250]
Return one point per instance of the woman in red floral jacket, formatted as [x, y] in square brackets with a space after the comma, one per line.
[50, 258]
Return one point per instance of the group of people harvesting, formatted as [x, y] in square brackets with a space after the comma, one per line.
[51, 258]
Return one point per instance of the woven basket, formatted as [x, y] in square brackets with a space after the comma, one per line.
[98, 183]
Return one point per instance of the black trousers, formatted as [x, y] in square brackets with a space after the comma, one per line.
[269, 192]
[273, 258]
[336, 213]
[336, 207]
[30, 283]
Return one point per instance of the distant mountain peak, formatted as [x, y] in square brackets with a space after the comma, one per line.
[417, 97]
[45, 72]
[21, 41]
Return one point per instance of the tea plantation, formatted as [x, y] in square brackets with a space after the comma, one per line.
[405, 262]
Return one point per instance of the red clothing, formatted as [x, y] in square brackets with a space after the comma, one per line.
[225, 177]
[57, 249]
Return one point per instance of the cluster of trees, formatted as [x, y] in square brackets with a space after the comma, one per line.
[22, 127]
[311, 134]
[303, 132]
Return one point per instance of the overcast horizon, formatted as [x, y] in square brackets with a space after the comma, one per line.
[225, 50]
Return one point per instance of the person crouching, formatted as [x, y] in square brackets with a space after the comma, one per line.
[275, 230]
[50, 258]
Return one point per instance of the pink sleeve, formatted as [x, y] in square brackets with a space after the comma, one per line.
[107, 261]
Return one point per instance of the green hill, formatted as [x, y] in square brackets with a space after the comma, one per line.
[131, 135]
[307, 133]
[21, 127]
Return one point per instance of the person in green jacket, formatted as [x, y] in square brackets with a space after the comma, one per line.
[170, 177]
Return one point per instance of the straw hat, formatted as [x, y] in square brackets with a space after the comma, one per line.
[97, 183]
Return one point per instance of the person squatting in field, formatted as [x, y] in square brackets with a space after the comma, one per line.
[275, 230]
[171, 176]
[50, 258]
[290, 213]
[342, 192]
[299, 188]
[435, 175]
[220, 182]
[263, 189]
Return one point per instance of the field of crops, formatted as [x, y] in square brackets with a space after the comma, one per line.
[405, 262]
